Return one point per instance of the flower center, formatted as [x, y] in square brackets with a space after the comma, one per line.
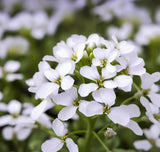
[74, 56]
[64, 138]
[76, 102]
[107, 109]
[104, 62]
[15, 115]
[146, 92]
[100, 82]
[157, 116]
[58, 81]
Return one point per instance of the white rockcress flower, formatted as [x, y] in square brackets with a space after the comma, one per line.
[7, 71]
[152, 111]
[55, 144]
[69, 98]
[149, 88]
[153, 138]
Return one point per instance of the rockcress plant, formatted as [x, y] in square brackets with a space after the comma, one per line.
[87, 74]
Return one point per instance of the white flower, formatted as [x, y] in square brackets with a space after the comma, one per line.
[152, 135]
[123, 47]
[69, 98]
[72, 50]
[8, 70]
[152, 111]
[149, 88]
[133, 64]
[55, 144]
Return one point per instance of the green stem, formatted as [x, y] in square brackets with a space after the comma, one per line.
[107, 125]
[102, 143]
[88, 137]
[76, 132]
[136, 87]
[128, 99]
[46, 130]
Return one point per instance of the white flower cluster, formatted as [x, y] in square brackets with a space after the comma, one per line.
[87, 73]
[17, 122]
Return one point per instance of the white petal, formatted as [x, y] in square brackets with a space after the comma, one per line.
[90, 72]
[124, 82]
[132, 110]
[125, 48]
[118, 115]
[158, 142]
[142, 144]
[104, 95]
[110, 84]
[22, 132]
[62, 51]
[109, 71]
[67, 113]
[151, 108]
[153, 132]
[66, 98]
[14, 107]
[43, 65]
[51, 74]
[46, 89]
[96, 62]
[58, 128]
[7, 133]
[134, 127]
[5, 120]
[90, 108]
[99, 53]
[39, 109]
[66, 67]
[45, 120]
[12, 66]
[3, 106]
[72, 147]
[52, 145]
[13, 77]
[155, 98]
[86, 89]
[67, 82]
[49, 58]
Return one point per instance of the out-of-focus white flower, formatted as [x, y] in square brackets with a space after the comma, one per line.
[14, 46]
[4, 20]
[146, 33]
[55, 144]
[121, 33]
[18, 121]
[152, 136]
[124, 10]
[8, 70]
